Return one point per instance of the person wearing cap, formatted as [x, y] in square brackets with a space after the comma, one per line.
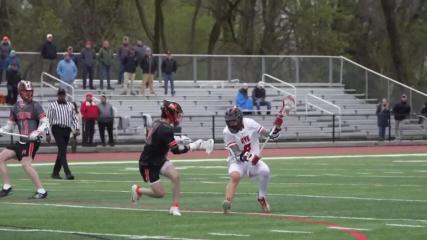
[258, 98]
[49, 53]
[401, 111]
[63, 120]
[67, 72]
[90, 113]
[5, 50]
[149, 68]
[88, 57]
[106, 120]
[243, 101]
[169, 68]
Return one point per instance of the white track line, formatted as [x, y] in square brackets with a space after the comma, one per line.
[347, 228]
[95, 234]
[210, 212]
[265, 158]
[405, 225]
[288, 231]
[229, 234]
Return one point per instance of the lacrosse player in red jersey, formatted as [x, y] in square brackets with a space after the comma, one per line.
[153, 161]
[241, 139]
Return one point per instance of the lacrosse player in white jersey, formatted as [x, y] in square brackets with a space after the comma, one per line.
[241, 138]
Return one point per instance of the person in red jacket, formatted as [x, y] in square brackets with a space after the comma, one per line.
[90, 113]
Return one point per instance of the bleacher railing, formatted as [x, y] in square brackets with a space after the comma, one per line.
[294, 89]
[51, 84]
[310, 102]
[290, 68]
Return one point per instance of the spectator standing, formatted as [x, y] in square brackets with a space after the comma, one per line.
[13, 59]
[88, 57]
[5, 49]
[63, 120]
[105, 58]
[169, 68]
[423, 118]
[90, 113]
[383, 118]
[130, 63]
[49, 54]
[106, 120]
[121, 54]
[400, 111]
[243, 101]
[13, 77]
[73, 56]
[140, 50]
[67, 71]
[258, 98]
[149, 68]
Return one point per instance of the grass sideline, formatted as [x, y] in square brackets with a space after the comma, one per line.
[319, 197]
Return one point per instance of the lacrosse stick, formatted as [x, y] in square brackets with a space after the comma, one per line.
[16, 135]
[288, 105]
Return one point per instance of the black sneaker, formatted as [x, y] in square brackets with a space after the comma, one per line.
[5, 192]
[38, 195]
[56, 176]
[69, 177]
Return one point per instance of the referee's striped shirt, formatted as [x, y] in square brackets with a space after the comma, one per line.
[62, 115]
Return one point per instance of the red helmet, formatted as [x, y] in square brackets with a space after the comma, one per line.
[25, 89]
[172, 112]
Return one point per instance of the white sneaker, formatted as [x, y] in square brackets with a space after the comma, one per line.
[174, 211]
[135, 195]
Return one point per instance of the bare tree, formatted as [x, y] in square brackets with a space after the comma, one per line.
[142, 18]
[193, 25]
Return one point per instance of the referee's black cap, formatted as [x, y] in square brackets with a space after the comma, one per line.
[61, 91]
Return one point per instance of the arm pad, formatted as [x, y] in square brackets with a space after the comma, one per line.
[44, 125]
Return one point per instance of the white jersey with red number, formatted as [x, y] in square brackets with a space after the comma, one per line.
[246, 139]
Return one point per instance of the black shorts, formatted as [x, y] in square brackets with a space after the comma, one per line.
[24, 149]
[150, 174]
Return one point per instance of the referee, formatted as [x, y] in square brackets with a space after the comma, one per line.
[63, 120]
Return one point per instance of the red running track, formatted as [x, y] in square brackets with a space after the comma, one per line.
[266, 153]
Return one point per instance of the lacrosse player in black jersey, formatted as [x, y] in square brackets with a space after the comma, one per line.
[153, 161]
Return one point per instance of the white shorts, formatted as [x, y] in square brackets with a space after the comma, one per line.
[246, 169]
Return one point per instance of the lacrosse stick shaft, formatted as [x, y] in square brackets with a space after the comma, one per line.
[15, 134]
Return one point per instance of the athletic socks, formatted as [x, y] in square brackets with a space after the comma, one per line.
[263, 185]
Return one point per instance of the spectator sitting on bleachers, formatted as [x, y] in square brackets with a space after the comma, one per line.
[258, 97]
[243, 101]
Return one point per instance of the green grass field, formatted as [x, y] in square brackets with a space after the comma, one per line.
[379, 197]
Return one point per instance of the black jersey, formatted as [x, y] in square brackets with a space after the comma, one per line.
[159, 140]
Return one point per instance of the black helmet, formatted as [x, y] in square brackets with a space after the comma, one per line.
[172, 112]
[234, 119]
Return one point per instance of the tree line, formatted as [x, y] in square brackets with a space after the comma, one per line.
[387, 35]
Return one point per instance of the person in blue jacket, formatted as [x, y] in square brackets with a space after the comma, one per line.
[67, 71]
[243, 101]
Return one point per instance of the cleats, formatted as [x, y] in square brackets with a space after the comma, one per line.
[135, 195]
[5, 192]
[265, 207]
[38, 195]
[174, 210]
[226, 206]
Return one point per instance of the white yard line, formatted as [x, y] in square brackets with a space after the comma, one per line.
[405, 225]
[265, 158]
[229, 234]
[289, 231]
[127, 236]
[209, 212]
[410, 161]
[347, 228]
[306, 175]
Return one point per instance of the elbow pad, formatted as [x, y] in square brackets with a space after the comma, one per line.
[44, 125]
